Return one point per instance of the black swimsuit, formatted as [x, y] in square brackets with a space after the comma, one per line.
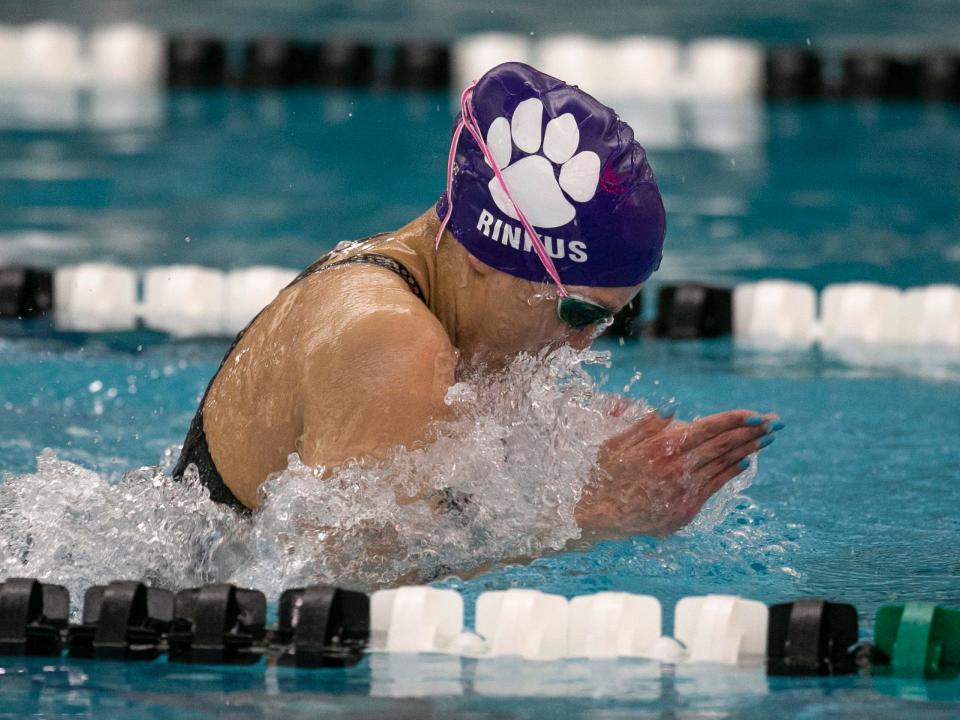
[195, 450]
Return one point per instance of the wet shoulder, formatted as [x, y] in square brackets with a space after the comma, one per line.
[365, 300]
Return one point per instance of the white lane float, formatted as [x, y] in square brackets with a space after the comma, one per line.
[523, 623]
[473, 55]
[861, 313]
[722, 629]
[183, 300]
[95, 297]
[415, 619]
[931, 316]
[51, 53]
[126, 54]
[613, 624]
[642, 66]
[724, 67]
[775, 312]
[579, 60]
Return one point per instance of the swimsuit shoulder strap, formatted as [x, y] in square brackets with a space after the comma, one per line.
[388, 263]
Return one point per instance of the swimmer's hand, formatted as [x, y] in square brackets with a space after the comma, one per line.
[654, 477]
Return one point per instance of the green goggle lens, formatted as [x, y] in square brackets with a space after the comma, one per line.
[579, 313]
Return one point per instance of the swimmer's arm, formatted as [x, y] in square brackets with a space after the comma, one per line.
[393, 368]
[654, 477]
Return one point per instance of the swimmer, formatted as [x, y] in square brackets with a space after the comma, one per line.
[550, 223]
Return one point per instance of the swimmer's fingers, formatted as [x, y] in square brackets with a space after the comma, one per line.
[723, 445]
[704, 429]
[643, 429]
[722, 470]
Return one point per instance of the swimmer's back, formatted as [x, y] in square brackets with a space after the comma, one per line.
[291, 382]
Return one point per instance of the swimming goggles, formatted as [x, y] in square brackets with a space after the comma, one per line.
[579, 313]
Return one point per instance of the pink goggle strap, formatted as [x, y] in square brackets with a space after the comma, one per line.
[468, 121]
[450, 156]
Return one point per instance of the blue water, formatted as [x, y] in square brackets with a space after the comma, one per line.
[856, 500]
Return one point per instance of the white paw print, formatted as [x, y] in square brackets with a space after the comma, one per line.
[532, 180]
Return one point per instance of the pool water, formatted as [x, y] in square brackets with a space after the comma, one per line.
[856, 500]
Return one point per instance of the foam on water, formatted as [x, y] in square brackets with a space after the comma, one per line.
[500, 482]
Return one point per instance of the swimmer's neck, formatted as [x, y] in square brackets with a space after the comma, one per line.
[442, 275]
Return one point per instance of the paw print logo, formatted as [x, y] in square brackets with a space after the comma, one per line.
[543, 194]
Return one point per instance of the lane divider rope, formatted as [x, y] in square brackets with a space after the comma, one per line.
[193, 301]
[621, 67]
[326, 626]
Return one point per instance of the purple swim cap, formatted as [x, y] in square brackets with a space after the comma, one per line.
[575, 172]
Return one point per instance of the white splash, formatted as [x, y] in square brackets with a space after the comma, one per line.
[500, 482]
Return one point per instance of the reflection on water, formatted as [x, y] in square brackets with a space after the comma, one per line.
[450, 687]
